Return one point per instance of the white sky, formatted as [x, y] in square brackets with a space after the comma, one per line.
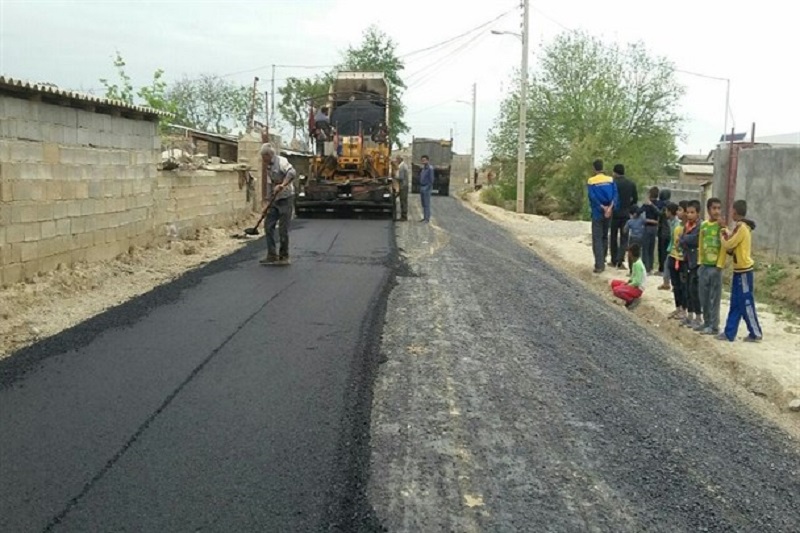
[71, 43]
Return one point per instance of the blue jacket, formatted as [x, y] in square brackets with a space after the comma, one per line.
[635, 228]
[426, 176]
[602, 192]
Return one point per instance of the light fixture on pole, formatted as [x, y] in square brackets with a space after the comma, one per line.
[523, 107]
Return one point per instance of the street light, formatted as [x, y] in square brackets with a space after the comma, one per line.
[727, 95]
[523, 106]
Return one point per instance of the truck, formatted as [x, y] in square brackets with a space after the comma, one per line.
[353, 172]
[440, 155]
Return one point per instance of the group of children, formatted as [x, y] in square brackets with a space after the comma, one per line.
[697, 253]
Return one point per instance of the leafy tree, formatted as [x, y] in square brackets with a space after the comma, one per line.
[377, 52]
[153, 95]
[123, 90]
[297, 96]
[589, 100]
[212, 104]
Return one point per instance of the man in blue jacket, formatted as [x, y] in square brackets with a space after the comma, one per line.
[426, 188]
[603, 196]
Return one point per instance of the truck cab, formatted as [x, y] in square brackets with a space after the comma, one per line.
[440, 156]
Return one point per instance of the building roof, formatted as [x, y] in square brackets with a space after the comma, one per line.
[220, 138]
[693, 159]
[51, 93]
[706, 170]
[784, 138]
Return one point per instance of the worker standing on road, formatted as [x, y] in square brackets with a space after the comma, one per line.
[426, 188]
[277, 175]
[402, 181]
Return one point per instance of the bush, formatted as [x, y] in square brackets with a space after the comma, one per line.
[492, 196]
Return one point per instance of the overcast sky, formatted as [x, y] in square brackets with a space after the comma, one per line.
[71, 43]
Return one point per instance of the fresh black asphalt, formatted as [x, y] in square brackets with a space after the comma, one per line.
[234, 399]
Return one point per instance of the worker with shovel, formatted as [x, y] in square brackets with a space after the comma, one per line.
[277, 192]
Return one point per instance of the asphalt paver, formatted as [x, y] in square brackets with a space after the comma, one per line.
[233, 399]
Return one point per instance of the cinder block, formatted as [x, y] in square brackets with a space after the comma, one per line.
[60, 210]
[82, 190]
[77, 225]
[44, 212]
[29, 251]
[38, 191]
[12, 274]
[88, 207]
[22, 190]
[27, 213]
[84, 240]
[6, 194]
[96, 189]
[29, 130]
[51, 153]
[48, 229]
[74, 208]
[33, 231]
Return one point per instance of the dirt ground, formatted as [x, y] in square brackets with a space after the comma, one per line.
[58, 300]
[770, 369]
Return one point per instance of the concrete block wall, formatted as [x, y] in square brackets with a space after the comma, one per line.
[769, 180]
[188, 200]
[82, 186]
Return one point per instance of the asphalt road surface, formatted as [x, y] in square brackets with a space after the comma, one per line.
[234, 399]
[513, 400]
[503, 397]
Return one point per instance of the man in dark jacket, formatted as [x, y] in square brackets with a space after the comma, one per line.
[664, 233]
[628, 196]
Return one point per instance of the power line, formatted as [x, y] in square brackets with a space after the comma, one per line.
[433, 71]
[448, 41]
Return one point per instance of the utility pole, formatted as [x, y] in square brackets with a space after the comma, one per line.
[272, 110]
[523, 111]
[474, 111]
[727, 108]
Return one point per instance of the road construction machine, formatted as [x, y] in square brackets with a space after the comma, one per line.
[351, 171]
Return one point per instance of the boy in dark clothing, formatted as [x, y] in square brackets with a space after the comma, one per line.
[664, 229]
[634, 231]
[689, 242]
[628, 196]
[651, 214]
[675, 263]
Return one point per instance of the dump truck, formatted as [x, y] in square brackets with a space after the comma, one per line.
[440, 155]
[353, 172]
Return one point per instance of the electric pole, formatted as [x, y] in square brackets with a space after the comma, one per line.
[272, 109]
[474, 112]
[523, 112]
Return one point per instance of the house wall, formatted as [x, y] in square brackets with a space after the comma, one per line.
[769, 180]
[82, 186]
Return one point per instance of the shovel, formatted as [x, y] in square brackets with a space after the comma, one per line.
[254, 229]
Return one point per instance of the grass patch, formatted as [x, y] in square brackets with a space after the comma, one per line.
[777, 282]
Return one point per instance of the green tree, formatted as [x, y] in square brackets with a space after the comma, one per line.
[296, 98]
[210, 103]
[590, 99]
[121, 91]
[377, 53]
[153, 95]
